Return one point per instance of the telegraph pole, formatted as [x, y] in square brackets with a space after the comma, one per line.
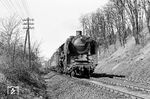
[28, 24]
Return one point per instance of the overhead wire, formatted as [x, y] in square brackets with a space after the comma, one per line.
[10, 5]
[28, 6]
[18, 12]
[14, 7]
[25, 6]
[5, 5]
[20, 8]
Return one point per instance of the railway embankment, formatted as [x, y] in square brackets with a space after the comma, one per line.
[130, 60]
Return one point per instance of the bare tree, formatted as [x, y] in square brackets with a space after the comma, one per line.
[9, 31]
[146, 7]
[110, 17]
[120, 20]
[132, 9]
[86, 24]
[10, 36]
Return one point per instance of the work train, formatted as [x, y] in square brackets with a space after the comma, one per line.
[76, 57]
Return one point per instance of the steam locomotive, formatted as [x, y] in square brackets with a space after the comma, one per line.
[77, 56]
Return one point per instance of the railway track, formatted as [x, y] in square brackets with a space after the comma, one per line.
[144, 88]
[109, 88]
[128, 85]
[127, 95]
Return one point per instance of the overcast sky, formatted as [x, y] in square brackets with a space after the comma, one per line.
[55, 20]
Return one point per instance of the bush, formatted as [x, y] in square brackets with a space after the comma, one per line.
[18, 71]
[3, 89]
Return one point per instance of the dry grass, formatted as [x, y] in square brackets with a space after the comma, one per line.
[133, 61]
[20, 74]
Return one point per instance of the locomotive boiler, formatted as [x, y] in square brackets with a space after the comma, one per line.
[77, 56]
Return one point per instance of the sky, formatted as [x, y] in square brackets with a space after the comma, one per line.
[54, 20]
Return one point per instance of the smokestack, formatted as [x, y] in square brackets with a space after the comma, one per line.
[78, 32]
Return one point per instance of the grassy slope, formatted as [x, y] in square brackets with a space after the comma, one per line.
[131, 60]
[29, 84]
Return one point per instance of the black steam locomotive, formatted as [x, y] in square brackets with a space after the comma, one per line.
[77, 56]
